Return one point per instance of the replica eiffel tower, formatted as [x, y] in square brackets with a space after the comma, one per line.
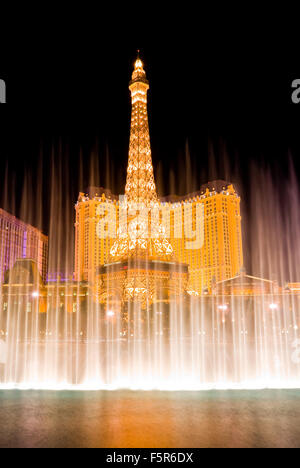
[142, 266]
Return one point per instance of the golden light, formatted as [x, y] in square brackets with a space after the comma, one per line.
[138, 64]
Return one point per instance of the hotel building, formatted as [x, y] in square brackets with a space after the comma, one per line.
[217, 255]
[21, 240]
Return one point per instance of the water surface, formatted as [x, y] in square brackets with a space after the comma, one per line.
[264, 418]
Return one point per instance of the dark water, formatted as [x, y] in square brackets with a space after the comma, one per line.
[268, 418]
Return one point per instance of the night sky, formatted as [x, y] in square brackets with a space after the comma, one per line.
[212, 112]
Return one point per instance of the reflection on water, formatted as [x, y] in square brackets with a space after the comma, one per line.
[266, 418]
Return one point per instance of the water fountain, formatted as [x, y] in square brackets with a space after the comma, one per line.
[136, 323]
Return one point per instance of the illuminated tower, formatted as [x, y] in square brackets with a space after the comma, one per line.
[140, 235]
[140, 185]
[141, 264]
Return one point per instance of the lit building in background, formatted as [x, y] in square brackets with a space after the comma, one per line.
[20, 240]
[246, 285]
[219, 256]
[92, 249]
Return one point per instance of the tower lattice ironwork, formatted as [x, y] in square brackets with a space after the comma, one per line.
[140, 233]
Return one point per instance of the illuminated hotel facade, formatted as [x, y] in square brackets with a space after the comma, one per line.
[219, 254]
[219, 257]
[19, 240]
[92, 248]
